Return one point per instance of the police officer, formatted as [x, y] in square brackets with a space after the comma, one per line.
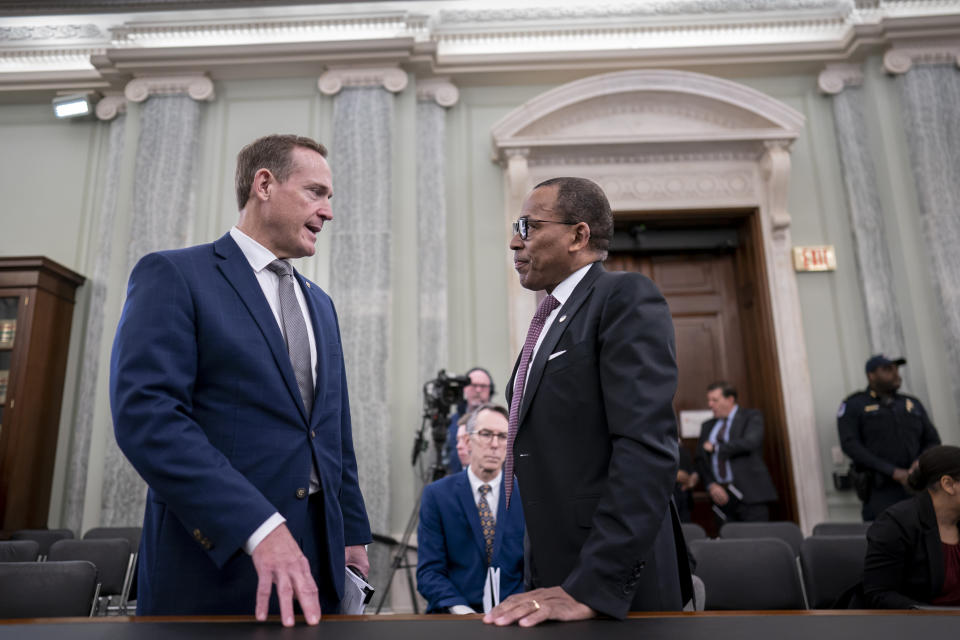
[884, 432]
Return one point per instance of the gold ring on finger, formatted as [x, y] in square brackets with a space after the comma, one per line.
[536, 605]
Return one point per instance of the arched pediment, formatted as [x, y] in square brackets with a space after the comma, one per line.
[634, 108]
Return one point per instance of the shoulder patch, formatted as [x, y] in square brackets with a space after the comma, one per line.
[843, 407]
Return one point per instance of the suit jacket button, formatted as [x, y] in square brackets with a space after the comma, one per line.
[301, 493]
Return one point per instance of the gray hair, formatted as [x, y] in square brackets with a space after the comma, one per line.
[488, 406]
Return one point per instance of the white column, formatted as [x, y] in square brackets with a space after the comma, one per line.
[929, 81]
[162, 210]
[361, 253]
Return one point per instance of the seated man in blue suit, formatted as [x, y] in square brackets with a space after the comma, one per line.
[229, 397]
[461, 534]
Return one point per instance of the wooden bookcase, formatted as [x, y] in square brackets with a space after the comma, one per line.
[36, 310]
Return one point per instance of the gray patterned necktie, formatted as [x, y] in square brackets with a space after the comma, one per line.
[294, 331]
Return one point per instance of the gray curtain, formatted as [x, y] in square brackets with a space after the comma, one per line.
[866, 220]
[93, 337]
[361, 160]
[162, 207]
[931, 104]
[432, 239]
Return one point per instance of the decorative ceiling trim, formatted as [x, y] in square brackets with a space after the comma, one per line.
[440, 38]
[198, 87]
[837, 77]
[393, 79]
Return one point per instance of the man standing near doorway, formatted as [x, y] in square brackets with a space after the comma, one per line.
[884, 432]
[730, 459]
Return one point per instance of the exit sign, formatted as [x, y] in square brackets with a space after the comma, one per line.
[820, 258]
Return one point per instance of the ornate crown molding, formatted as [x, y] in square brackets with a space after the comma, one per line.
[393, 79]
[111, 106]
[198, 87]
[51, 32]
[901, 59]
[837, 77]
[440, 90]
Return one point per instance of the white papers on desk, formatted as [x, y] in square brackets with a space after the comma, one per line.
[691, 421]
[491, 589]
[357, 593]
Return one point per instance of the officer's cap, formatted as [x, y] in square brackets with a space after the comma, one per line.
[881, 360]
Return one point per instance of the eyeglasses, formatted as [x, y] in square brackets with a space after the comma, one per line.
[478, 385]
[522, 225]
[486, 437]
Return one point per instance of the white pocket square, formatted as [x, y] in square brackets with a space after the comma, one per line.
[556, 355]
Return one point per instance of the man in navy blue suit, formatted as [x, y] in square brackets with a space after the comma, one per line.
[461, 533]
[229, 397]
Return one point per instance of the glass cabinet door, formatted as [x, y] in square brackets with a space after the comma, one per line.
[8, 337]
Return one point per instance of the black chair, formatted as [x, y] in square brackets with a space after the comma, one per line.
[841, 529]
[787, 531]
[19, 550]
[47, 589]
[111, 556]
[133, 535]
[755, 574]
[693, 531]
[43, 537]
[830, 566]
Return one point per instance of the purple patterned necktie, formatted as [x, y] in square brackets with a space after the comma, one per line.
[547, 305]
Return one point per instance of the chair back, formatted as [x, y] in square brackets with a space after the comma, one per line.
[754, 574]
[19, 550]
[43, 537]
[787, 531]
[841, 528]
[132, 534]
[830, 566]
[47, 589]
[111, 556]
[693, 531]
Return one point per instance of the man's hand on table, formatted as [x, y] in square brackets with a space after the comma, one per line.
[533, 607]
[279, 561]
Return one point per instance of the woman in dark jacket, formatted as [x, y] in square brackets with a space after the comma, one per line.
[913, 548]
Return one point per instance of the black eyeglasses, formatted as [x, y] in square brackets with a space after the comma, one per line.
[522, 225]
[487, 437]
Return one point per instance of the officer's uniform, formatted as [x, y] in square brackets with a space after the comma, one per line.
[881, 435]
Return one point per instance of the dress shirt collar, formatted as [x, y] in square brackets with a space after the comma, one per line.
[476, 482]
[563, 290]
[256, 254]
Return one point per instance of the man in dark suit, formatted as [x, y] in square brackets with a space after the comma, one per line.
[730, 459]
[460, 534]
[229, 397]
[595, 449]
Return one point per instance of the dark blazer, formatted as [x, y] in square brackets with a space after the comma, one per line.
[904, 563]
[743, 451]
[596, 448]
[451, 553]
[207, 409]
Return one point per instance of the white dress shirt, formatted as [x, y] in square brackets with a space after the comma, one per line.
[562, 293]
[259, 257]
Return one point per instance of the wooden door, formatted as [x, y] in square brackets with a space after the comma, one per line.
[703, 290]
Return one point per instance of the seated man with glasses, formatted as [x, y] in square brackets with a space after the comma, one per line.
[465, 528]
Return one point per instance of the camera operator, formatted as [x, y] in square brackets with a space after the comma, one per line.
[477, 393]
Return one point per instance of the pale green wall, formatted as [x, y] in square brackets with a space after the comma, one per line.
[49, 171]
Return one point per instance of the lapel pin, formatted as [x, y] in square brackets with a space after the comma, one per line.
[562, 318]
[308, 283]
